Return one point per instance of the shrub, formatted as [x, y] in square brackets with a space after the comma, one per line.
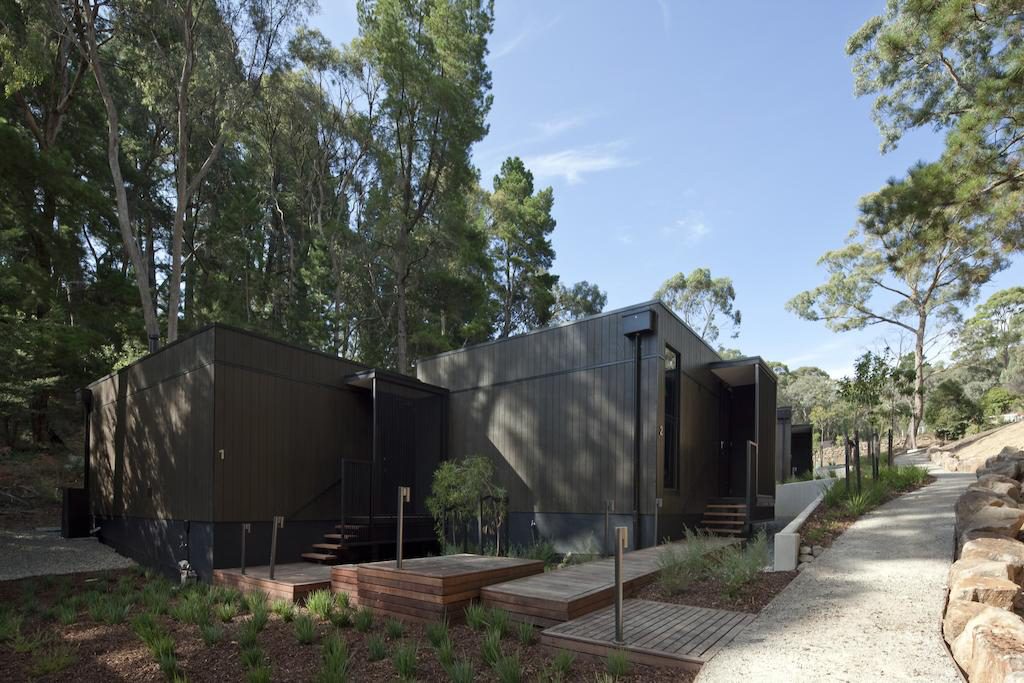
[460, 671]
[376, 648]
[736, 567]
[10, 625]
[67, 614]
[476, 616]
[682, 564]
[525, 633]
[228, 594]
[835, 495]
[226, 611]
[211, 633]
[563, 663]
[437, 631]
[404, 659]
[53, 660]
[283, 608]
[156, 596]
[305, 629]
[363, 619]
[258, 674]
[617, 664]
[446, 651]
[252, 657]
[498, 621]
[260, 616]
[335, 664]
[146, 628]
[394, 628]
[321, 603]
[255, 600]
[247, 635]
[342, 600]
[509, 669]
[342, 618]
[491, 648]
[541, 550]
[193, 608]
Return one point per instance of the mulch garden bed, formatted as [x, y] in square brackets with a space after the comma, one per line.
[708, 593]
[113, 652]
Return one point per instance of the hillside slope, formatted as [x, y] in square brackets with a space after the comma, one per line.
[970, 453]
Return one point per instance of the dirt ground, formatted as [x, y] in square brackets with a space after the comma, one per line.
[30, 482]
[708, 593]
[101, 652]
[970, 452]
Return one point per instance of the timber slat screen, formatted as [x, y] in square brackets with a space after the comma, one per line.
[656, 633]
[564, 594]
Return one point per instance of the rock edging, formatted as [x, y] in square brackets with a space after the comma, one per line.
[982, 623]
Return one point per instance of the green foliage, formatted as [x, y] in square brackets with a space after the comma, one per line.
[211, 633]
[363, 619]
[457, 488]
[700, 301]
[461, 671]
[497, 621]
[258, 674]
[539, 550]
[737, 567]
[563, 663]
[335, 661]
[476, 616]
[252, 657]
[579, 301]
[53, 660]
[155, 596]
[998, 401]
[248, 634]
[227, 611]
[342, 618]
[526, 633]
[10, 624]
[321, 602]
[305, 630]
[950, 412]
[490, 649]
[404, 659]
[617, 664]
[445, 651]
[437, 632]
[394, 628]
[376, 648]
[67, 614]
[681, 565]
[284, 609]
[509, 669]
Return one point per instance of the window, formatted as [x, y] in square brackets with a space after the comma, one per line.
[671, 463]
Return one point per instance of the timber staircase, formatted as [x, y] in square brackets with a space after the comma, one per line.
[358, 539]
[726, 518]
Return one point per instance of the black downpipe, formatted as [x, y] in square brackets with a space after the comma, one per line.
[87, 449]
[637, 424]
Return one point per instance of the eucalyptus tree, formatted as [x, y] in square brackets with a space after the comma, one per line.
[703, 302]
[429, 58]
[520, 228]
[914, 259]
[578, 301]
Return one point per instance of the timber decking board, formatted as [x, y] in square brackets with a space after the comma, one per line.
[656, 633]
[292, 581]
[571, 592]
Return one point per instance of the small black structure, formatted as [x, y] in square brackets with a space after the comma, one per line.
[226, 427]
[612, 412]
[794, 445]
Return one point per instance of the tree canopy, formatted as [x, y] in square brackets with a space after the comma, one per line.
[703, 302]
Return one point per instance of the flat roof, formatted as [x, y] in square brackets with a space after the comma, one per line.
[740, 372]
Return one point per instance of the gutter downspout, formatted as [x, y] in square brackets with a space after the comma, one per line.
[86, 395]
[637, 436]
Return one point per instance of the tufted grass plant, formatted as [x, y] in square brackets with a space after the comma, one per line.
[211, 633]
[461, 671]
[394, 628]
[509, 669]
[305, 629]
[437, 631]
[376, 648]
[334, 668]
[363, 619]
[404, 659]
[497, 620]
[525, 633]
[226, 611]
[476, 616]
[53, 660]
[490, 649]
[284, 609]
[321, 603]
[617, 664]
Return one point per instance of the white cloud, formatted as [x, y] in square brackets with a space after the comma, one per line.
[531, 30]
[666, 14]
[693, 228]
[557, 126]
[573, 164]
[625, 236]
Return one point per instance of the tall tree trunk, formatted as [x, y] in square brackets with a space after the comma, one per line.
[402, 300]
[917, 402]
[88, 11]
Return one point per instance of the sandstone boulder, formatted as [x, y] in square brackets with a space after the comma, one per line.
[991, 647]
[958, 613]
[1001, 593]
[1000, 550]
[973, 500]
[998, 483]
[970, 567]
[1006, 521]
[1009, 462]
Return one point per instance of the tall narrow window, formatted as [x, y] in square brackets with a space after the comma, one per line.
[671, 466]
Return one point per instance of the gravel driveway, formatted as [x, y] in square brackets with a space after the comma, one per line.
[869, 609]
[38, 553]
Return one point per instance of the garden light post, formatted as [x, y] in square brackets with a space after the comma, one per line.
[621, 541]
[657, 506]
[246, 528]
[278, 523]
[403, 498]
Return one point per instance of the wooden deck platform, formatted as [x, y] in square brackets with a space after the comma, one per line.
[655, 633]
[571, 592]
[293, 581]
[427, 588]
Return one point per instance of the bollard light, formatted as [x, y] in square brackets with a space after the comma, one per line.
[403, 498]
[621, 542]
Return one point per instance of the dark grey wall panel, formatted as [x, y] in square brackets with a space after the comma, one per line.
[766, 398]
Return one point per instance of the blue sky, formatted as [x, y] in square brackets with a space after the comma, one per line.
[686, 134]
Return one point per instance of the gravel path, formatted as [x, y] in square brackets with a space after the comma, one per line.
[869, 609]
[38, 553]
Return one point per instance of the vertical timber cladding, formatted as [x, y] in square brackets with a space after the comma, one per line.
[152, 435]
[700, 395]
[553, 410]
[285, 418]
[766, 425]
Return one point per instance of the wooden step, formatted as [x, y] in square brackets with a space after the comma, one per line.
[322, 558]
[329, 547]
[709, 513]
[717, 523]
[342, 537]
[727, 506]
[351, 527]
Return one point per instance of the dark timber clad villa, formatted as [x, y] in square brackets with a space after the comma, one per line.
[227, 427]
